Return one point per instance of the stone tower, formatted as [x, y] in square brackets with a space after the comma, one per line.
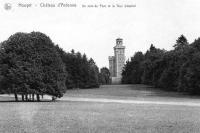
[120, 57]
[111, 66]
[116, 62]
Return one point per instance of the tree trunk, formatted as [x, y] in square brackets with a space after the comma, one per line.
[26, 96]
[16, 98]
[38, 97]
[23, 97]
[33, 97]
[29, 97]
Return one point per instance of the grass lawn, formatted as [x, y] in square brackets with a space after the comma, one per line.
[95, 117]
[131, 92]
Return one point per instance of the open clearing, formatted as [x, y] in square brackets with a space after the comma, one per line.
[109, 109]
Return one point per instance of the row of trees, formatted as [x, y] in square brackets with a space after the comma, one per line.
[176, 70]
[32, 65]
[82, 73]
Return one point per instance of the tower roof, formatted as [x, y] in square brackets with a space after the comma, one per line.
[119, 43]
[119, 38]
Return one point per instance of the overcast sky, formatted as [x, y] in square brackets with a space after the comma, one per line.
[93, 30]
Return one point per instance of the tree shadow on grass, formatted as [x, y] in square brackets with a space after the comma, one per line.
[13, 101]
[158, 92]
[171, 93]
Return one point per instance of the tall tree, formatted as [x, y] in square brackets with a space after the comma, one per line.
[104, 76]
[181, 42]
[30, 64]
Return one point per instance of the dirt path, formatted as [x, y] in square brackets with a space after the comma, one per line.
[127, 94]
[122, 101]
[103, 100]
[131, 94]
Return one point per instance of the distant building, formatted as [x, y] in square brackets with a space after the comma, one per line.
[116, 62]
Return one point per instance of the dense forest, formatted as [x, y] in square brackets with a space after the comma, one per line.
[82, 73]
[174, 70]
[32, 65]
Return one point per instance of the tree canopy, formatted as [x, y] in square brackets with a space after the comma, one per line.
[177, 69]
[30, 64]
[82, 72]
[104, 76]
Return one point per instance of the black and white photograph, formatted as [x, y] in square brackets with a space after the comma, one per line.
[99, 66]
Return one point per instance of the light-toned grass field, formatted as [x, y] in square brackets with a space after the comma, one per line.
[96, 117]
[131, 92]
